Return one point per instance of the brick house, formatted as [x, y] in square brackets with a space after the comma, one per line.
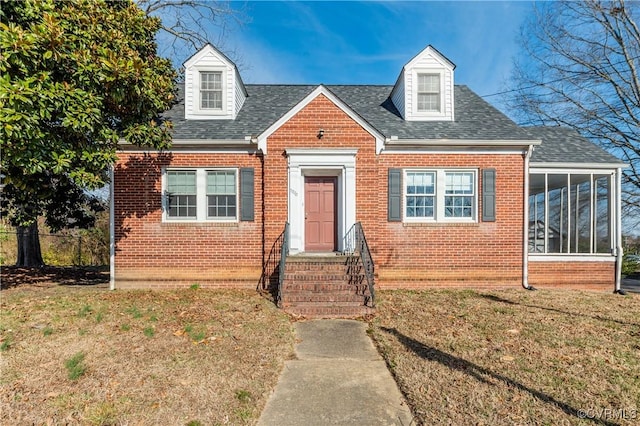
[447, 190]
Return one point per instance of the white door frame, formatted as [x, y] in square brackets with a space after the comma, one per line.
[321, 162]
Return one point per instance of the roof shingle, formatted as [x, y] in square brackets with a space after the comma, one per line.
[475, 119]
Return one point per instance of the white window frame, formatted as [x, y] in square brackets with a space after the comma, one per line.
[437, 93]
[202, 91]
[440, 194]
[434, 195]
[197, 103]
[414, 92]
[167, 197]
[202, 208]
[207, 194]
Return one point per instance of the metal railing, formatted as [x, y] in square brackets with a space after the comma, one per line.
[274, 265]
[355, 243]
[284, 252]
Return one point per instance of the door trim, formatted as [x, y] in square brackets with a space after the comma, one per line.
[311, 162]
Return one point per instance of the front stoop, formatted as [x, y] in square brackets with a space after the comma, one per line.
[332, 286]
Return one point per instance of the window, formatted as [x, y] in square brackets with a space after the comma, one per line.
[459, 194]
[211, 90]
[569, 213]
[421, 191]
[181, 192]
[428, 93]
[205, 194]
[221, 194]
[440, 195]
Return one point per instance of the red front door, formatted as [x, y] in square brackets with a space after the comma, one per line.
[320, 213]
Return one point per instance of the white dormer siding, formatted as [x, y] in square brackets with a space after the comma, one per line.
[240, 94]
[437, 72]
[397, 95]
[208, 65]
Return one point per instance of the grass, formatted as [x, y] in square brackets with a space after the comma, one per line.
[136, 364]
[84, 311]
[213, 357]
[134, 312]
[6, 344]
[513, 357]
[75, 366]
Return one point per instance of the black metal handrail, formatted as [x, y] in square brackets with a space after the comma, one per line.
[355, 243]
[284, 252]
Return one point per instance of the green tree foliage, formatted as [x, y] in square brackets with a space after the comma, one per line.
[76, 78]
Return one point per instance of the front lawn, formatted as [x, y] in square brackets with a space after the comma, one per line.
[83, 355]
[513, 357]
[90, 356]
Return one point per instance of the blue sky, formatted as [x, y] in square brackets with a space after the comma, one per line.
[369, 42]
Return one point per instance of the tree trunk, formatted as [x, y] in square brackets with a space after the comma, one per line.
[29, 253]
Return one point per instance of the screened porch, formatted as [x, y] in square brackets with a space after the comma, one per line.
[572, 212]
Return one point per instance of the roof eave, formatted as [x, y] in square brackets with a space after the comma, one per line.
[461, 142]
[247, 142]
[573, 165]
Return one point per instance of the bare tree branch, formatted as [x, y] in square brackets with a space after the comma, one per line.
[579, 67]
[187, 25]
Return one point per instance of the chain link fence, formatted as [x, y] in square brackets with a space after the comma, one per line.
[85, 248]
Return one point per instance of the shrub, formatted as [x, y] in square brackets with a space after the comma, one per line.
[630, 265]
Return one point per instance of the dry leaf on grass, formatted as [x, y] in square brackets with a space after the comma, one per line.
[138, 372]
[469, 369]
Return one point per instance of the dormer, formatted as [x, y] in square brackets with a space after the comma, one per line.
[213, 87]
[424, 89]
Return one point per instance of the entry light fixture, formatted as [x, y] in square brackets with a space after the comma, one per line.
[320, 133]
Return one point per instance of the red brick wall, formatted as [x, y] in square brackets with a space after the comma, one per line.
[574, 275]
[340, 131]
[150, 253]
[482, 254]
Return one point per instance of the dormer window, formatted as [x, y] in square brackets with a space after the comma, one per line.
[424, 89]
[213, 87]
[211, 90]
[429, 92]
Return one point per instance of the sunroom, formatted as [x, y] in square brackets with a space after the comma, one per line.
[573, 209]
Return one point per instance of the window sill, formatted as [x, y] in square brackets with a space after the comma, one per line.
[212, 111]
[572, 257]
[208, 223]
[439, 224]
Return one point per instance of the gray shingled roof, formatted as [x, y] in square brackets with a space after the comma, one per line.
[564, 145]
[475, 119]
[263, 107]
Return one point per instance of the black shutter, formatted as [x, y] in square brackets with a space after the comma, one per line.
[489, 195]
[246, 194]
[394, 208]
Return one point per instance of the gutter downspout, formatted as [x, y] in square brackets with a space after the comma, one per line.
[618, 219]
[112, 229]
[525, 242]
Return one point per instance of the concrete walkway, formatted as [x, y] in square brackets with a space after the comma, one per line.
[338, 379]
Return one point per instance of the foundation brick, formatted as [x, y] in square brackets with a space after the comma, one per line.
[573, 275]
